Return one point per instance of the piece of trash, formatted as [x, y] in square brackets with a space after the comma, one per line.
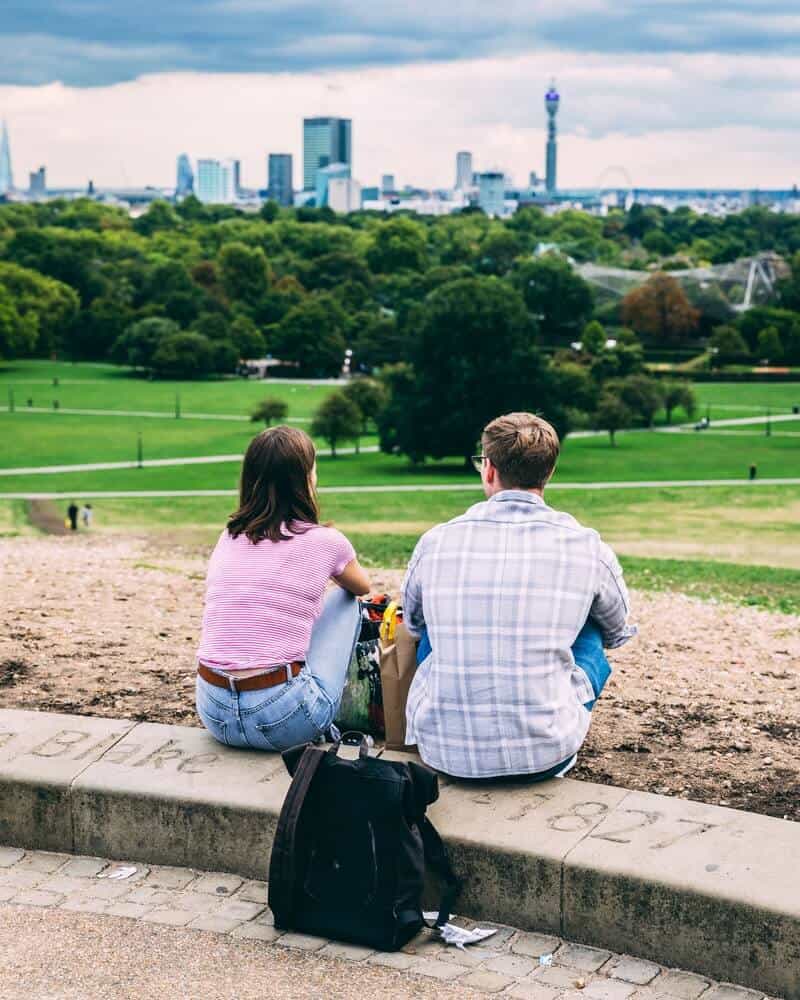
[545, 960]
[119, 873]
[580, 984]
[459, 936]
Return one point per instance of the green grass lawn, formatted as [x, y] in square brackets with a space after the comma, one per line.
[745, 399]
[83, 386]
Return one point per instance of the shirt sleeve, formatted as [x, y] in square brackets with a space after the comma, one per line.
[611, 605]
[343, 553]
[411, 592]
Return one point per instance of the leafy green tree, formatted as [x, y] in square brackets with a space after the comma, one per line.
[311, 335]
[337, 419]
[728, 345]
[160, 215]
[369, 396]
[270, 210]
[332, 270]
[657, 242]
[247, 337]
[47, 307]
[769, 344]
[660, 310]
[225, 357]
[593, 338]
[184, 355]
[679, 394]
[397, 245]
[558, 298]
[642, 395]
[498, 251]
[473, 358]
[137, 345]
[244, 272]
[612, 415]
[18, 334]
[269, 409]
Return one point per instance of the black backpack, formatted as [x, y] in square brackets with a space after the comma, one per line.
[348, 859]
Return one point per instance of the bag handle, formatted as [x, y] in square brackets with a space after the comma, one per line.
[436, 856]
[364, 746]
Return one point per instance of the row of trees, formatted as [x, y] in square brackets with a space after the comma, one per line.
[458, 378]
[190, 290]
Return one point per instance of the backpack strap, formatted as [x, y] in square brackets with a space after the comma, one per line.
[436, 857]
[282, 869]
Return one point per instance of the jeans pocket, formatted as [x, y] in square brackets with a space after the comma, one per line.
[300, 717]
[211, 712]
[218, 728]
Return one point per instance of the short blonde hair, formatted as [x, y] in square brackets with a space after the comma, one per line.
[523, 448]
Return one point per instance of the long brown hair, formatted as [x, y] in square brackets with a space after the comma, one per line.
[275, 490]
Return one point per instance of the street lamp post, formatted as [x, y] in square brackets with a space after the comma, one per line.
[10, 400]
[139, 449]
[177, 406]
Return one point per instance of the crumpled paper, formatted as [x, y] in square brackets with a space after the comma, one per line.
[460, 936]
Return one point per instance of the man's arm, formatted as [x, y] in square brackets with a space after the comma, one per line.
[611, 604]
[411, 592]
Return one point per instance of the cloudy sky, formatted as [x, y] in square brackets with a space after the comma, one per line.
[673, 92]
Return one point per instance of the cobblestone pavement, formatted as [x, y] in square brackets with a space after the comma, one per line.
[512, 963]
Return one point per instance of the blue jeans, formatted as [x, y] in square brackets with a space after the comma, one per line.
[296, 712]
[589, 655]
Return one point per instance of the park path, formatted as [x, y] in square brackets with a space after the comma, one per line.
[406, 488]
[149, 414]
[151, 463]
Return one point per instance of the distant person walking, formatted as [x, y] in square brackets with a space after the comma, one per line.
[86, 515]
[275, 648]
[72, 514]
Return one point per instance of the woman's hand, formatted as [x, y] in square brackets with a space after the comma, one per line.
[354, 578]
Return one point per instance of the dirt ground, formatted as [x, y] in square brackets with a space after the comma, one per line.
[705, 704]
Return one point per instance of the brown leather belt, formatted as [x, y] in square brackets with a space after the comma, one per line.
[255, 683]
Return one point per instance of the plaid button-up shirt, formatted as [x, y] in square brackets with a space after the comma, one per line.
[504, 590]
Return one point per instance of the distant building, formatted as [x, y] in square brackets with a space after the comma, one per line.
[492, 192]
[236, 166]
[463, 170]
[6, 174]
[323, 178]
[280, 186]
[216, 181]
[325, 141]
[37, 183]
[552, 102]
[184, 184]
[388, 183]
[344, 194]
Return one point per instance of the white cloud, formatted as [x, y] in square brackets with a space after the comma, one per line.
[677, 120]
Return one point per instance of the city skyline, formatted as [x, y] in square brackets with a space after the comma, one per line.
[686, 95]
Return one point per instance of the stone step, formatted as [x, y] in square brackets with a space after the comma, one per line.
[680, 883]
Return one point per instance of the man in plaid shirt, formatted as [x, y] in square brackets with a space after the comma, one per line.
[513, 603]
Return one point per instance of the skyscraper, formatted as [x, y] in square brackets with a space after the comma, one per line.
[280, 186]
[463, 170]
[6, 176]
[387, 183]
[185, 180]
[324, 176]
[492, 192]
[236, 166]
[215, 181]
[325, 141]
[551, 103]
[37, 185]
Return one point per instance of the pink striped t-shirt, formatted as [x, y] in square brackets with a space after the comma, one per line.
[262, 600]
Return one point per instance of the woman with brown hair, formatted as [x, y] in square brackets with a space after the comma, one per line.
[274, 652]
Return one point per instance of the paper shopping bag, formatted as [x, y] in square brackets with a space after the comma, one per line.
[398, 666]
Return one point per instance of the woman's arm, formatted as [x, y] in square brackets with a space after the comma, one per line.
[354, 578]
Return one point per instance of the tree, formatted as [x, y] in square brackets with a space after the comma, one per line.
[18, 334]
[160, 215]
[498, 252]
[728, 345]
[769, 344]
[137, 345]
[473, 358]
[369, 396]
[558, 298]
[184, 355]
[612, 415]
[270, 210]
[641, 394]
[247, 337]
[660, 310]
[337, 419]
[270, 409]
[398, 245]
[244, 272]
[679, 394]
[311, 335]
[593, 339]
[47, 307]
